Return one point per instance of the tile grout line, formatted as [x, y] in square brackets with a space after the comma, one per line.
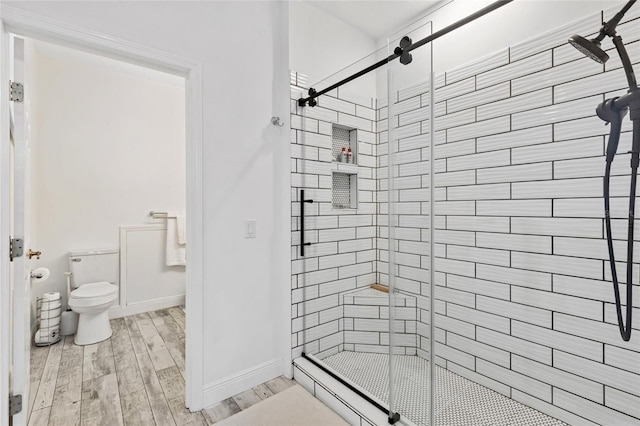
[173, 416]
[115, 370]
[144, 386]
[56, 382]
[140, 370]
[165, 341]
[81, 385]
[156, 373]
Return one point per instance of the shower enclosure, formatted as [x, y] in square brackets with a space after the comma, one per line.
[455, 268]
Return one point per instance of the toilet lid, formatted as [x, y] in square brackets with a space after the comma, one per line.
[94, 290]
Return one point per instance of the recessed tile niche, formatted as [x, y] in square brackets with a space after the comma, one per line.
[344, 137]
[344, 192]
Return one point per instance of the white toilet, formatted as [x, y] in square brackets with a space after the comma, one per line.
[95, 276]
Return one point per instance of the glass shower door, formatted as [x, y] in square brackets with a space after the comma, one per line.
[362, 288]
[340, 312]
[405, 184]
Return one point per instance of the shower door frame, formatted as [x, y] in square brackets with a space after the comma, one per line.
[392, 71]
[35, 26]
[305, 202]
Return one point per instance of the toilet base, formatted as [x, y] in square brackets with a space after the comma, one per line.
[93, 328]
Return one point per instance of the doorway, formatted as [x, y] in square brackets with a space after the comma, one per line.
[107, 146]
[136, 54]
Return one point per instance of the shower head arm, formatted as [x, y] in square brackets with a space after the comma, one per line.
[609, 28]
[626, 63]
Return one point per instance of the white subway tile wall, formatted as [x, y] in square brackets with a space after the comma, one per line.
[342, 256]
[405, 121]
[531, 308]
[523, 302]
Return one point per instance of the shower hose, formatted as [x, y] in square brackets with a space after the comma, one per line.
[607, 112]
[613, 111]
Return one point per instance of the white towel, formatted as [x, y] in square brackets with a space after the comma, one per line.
[180, 223]
[176, 252]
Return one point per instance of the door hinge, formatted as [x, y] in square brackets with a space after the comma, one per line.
[16, 248]
[16, 91]
[15, 404]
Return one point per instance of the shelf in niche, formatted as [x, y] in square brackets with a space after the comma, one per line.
[345, 167]
[344, 190]
[347, 137]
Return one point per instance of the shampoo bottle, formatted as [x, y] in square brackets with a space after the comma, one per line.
[342, 157]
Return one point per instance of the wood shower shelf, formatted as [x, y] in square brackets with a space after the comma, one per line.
[380, 287]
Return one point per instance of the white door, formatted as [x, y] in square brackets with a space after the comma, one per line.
[20, 273]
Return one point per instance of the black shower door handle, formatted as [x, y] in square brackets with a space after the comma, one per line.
[302, 243]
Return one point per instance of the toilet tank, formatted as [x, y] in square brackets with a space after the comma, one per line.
[90, 266]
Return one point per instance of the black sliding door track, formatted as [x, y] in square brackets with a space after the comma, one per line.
[392, 418]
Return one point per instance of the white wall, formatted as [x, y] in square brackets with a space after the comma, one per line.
[109, 148]
[321, 45]
[243, 48]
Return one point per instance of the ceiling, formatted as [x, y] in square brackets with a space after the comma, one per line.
[376, 18]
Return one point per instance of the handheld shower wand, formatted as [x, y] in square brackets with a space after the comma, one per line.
[613, 111]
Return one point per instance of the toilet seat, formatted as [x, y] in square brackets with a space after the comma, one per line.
[93, 294]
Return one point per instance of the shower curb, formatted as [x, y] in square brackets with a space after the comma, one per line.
[345, 402]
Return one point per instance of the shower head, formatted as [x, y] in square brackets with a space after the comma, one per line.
[589, 48]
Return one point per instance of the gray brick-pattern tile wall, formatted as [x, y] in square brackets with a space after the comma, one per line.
[522, 293]
[366, 322]
[342, 257]
[523, 301]
[411, 201]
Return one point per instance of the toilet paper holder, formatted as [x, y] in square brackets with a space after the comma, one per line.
[39, 275]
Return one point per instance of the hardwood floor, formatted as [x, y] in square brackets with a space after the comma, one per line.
[136, 377]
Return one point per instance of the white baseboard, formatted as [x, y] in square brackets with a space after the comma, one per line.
[232, 385]
[146, 306]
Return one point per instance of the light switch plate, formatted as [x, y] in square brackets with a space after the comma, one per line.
[250, 228]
